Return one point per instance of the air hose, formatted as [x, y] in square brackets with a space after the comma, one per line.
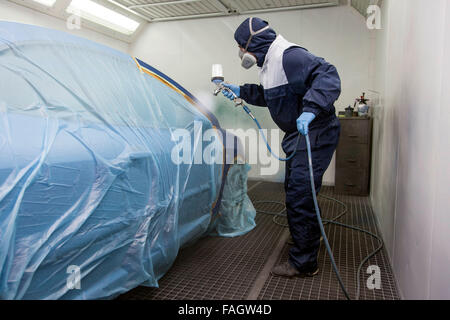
[247, 110]
[316, 206]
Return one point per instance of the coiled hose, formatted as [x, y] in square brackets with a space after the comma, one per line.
[316, 206]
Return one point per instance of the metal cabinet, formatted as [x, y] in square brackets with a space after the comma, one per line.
[353, 156]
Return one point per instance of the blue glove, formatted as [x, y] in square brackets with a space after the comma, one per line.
[235, 89]
[303, 122]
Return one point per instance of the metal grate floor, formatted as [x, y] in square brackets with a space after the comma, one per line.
[239, 268]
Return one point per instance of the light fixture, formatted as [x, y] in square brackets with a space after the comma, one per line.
[104, 16]
[48, 3]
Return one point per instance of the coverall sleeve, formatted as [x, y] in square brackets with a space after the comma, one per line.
[315, 79]
[253, 94]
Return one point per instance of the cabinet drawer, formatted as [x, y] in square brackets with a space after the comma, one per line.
[355, 131]
[352, 181]
[352, 156]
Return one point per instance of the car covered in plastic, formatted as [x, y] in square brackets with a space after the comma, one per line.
[92, 201]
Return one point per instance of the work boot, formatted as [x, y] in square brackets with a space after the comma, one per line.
[291, 241]
[286, 269]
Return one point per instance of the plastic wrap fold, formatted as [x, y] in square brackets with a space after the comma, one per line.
[92, 203]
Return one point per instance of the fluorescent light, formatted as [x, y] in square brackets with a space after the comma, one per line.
[48, 3]
[97, 13]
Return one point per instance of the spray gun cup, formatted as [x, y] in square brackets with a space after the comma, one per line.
[217, 80]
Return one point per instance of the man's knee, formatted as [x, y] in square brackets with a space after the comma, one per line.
[297, 194]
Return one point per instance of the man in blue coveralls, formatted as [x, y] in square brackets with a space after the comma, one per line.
[299, 90]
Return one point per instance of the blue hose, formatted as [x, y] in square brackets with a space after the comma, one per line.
[313, 190]
[316, 205]
[319, 218]
[246, 109]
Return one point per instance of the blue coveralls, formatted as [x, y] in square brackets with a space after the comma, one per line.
[294, 81]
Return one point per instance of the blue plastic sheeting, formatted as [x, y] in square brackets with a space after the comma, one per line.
[237, 214]
[88, 188]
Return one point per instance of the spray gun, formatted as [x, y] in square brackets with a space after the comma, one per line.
[217, 78]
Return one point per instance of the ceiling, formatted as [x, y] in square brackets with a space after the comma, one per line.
[362, 5]
[166, 10]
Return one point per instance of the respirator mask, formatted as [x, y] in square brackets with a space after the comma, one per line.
[247, 59]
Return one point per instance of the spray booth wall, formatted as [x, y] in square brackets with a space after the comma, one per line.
[185, 50]
[411, 154]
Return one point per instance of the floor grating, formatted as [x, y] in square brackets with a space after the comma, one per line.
[227, 268]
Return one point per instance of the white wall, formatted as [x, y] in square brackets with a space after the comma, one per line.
[411, 143]
[12, 12]
[440, 244]
[185, 50]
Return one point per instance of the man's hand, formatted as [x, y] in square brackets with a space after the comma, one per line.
[236, 90]
[303, 122]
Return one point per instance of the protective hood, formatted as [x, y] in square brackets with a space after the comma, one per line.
[260, 43]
